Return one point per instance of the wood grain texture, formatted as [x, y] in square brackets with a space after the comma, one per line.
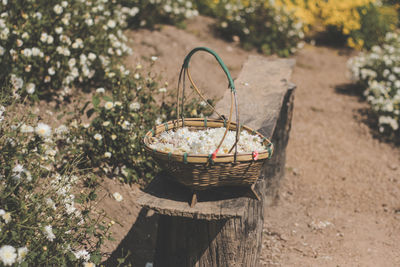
[169, 198]
[261, 87]
[274, 169]
[234, 242]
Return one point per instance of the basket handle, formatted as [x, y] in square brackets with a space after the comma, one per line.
[185, 72]
[221, 63]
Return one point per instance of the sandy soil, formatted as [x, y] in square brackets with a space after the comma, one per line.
[339, 203]
[171, 45]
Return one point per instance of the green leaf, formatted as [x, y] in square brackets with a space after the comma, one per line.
[60, 116]
[95, 258]
[107, 98]
[95, 101]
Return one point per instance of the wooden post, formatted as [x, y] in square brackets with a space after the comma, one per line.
[232, 240]
[224, 228]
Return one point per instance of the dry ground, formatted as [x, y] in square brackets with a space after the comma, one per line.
[339, 202]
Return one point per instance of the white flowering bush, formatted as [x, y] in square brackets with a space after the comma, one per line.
[378, 72]
[153, 12]
[259, 24]
[112, 140]
[48, 47]
[44, 221]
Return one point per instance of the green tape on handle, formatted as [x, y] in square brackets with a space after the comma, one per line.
[221, 63]
[269, 149]
[210, 159]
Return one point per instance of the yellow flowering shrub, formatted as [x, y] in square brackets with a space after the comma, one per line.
[343, 13]
[362, 22]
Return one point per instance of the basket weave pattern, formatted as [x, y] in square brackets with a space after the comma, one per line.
[200, 171]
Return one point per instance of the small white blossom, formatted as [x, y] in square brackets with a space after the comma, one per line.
[43, 130]
[135, 106]
[6, 217]
[22, 252]
[43, 37]
[62, 129]
[126, 125]
[27, 52]
[117, 196]
[26, 128]
[51, 71]
[58, 9]
[50, 39]
[98, 137]
[35, 51]
[19, 42]
[158, 121]
[108, 105]
[82, 254]
[111, 23]
[107, 154]
[59, 30]
[30, 88]
[100, 90]
[48, 231]
[92, 56]
[16, 82]
[8, 255]
[50, 203]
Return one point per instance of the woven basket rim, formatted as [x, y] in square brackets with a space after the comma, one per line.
[158, 129]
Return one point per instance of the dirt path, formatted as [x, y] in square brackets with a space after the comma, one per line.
[171, 45]
[339, 202]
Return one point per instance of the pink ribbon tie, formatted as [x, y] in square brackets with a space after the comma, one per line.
[214, 154]
[255, 155]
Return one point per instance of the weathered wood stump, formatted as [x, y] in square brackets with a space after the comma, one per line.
[224, 228]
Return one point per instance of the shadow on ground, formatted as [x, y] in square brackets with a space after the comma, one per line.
[137, 248]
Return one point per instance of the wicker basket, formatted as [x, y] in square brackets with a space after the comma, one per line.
[202, 171]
